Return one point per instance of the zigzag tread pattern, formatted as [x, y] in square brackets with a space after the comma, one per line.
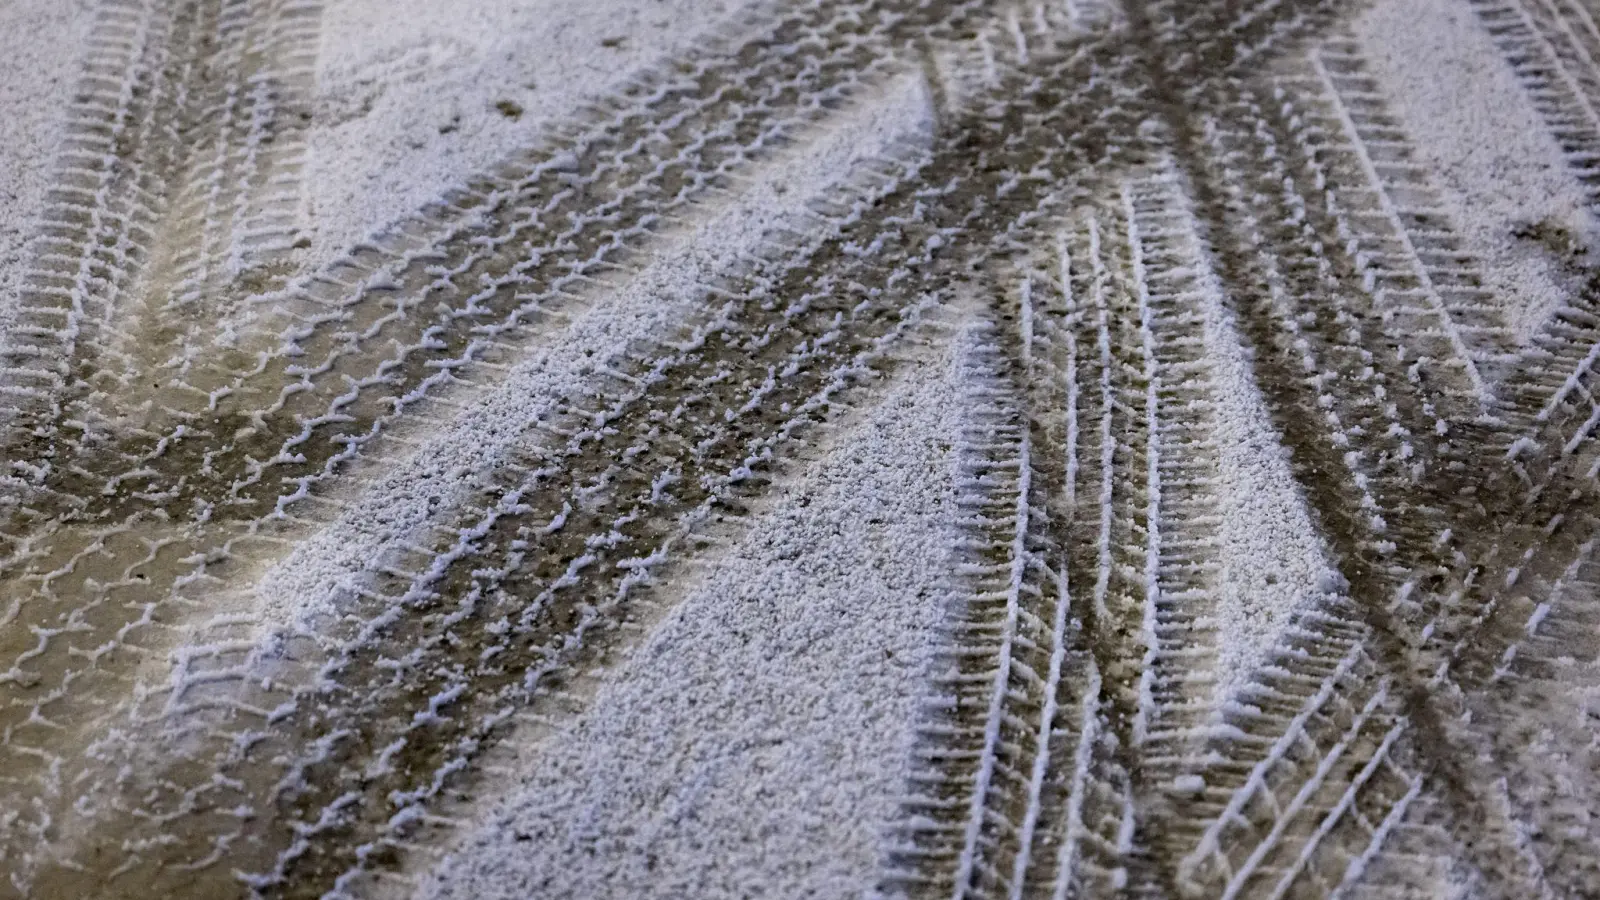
[1187, 225]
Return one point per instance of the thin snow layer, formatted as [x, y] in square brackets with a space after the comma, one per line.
[440, 473]
[443, 91]
[755, 744]
[1273, 563]
[1485, 144]
[37, 77]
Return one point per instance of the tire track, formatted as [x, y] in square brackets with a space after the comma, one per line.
[1283, 799]
[1302, 845]
[1554, 58]
[920, 220]
[1426, 280]
[228, 495]
[1022, 787]
[215, 669]
[295, 416]
[311, 864]
[1338, 686]
[996, 503]
[1074, 748]
[308, 863]
[671, 140]
[1319, 763]
[1117, 610]
[1128, 611]
[1553, 46]
[185, 144]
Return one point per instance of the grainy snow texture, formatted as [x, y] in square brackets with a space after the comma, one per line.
[442, 91]
[892, 448]
[1504, 182]
[36, 82]
[756, 743]
[445, 460]
[1272, 562]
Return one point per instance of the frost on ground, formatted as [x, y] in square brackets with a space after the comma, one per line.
[1507, 187]
[1273, 563]
[532, 434]
[36, 82]
[438, 464]
[440, 91]
[754, 744]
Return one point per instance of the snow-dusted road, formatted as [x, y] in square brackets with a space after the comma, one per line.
[975, 448]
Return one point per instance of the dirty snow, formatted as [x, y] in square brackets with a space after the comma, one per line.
[1273, 560]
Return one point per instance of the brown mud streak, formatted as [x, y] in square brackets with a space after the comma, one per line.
[578, 225]
[183, 477]
[232, 462]
[1319, 310]
[979, 180]
[997, 848]
[1479, 516]
[1519, 516]
[1151, 872]
[182, 179]
[1091, 144]
[1447, 764]
[1114, 641]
